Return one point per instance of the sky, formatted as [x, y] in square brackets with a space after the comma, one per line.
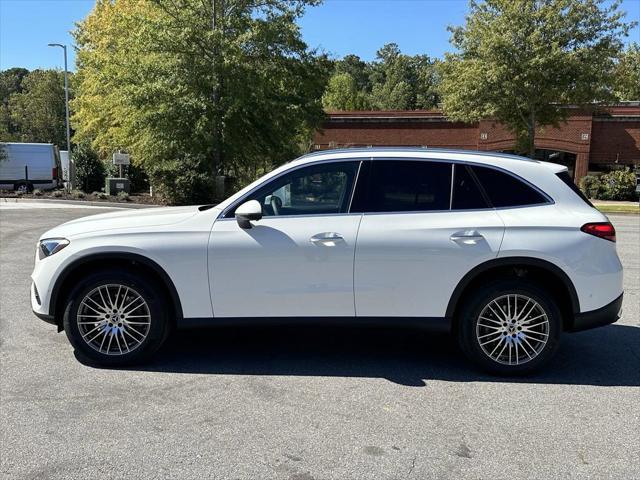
[338, 27]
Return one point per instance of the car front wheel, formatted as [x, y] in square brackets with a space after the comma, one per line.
[510, 327]
[115, 318]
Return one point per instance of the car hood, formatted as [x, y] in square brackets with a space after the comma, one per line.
[147, 217]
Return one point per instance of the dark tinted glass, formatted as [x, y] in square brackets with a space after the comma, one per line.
[466, 194]
[504, 190]
[405, 186]
[317, 189]
[566, 178]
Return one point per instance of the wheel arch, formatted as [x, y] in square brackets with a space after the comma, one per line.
[539, 269]
[65, 280]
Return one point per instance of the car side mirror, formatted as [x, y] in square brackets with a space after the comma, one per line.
[248, 211]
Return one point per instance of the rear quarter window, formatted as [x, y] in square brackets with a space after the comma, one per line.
[505, 190]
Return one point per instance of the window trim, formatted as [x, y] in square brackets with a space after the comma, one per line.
[468, 164]
[452, 186]
[478, 185]
[483, 192]
[226, 213]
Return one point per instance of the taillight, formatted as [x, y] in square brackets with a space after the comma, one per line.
[54, 172]
[603, 230]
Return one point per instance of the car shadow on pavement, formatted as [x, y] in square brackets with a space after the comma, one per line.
[609, 356]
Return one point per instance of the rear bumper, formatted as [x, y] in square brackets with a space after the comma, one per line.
[610, 313]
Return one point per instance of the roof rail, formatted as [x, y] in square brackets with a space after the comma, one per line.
[414, 150]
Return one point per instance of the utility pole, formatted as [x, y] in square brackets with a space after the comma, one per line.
[66, 107]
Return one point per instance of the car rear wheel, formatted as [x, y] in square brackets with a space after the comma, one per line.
[510, 327]
[116, 318]
[23, 187]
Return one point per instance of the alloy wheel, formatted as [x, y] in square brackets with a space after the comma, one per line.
[114, 319]
[512, 329]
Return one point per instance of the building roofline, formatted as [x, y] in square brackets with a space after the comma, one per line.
[627, 110]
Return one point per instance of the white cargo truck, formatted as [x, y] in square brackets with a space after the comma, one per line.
[25, 166]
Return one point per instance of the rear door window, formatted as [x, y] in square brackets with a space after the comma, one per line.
[408, 186]
[466, 191]
[505, 190]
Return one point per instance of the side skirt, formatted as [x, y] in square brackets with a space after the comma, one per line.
[436, 324]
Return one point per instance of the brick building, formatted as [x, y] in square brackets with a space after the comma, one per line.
[587, 142]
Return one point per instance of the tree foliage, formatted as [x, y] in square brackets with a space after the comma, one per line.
[521, 61]
[403, 82]
[10, 83]
[32, 106]
[191, 98]
[342, 93]
[393, 81]
[627, 74]
[90, 170]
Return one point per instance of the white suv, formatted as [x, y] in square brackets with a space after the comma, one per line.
[503, 251]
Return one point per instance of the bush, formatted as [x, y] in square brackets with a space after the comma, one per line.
[57, 193]
[591, 186]
[37, 192]
[615, 185]
[618, 185]
[77, 194]
[100, 195]
[123, 196]
[90, 170]
[183, 181]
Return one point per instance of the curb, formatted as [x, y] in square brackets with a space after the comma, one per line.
[87, 203]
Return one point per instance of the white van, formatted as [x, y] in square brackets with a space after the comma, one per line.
[30, 165]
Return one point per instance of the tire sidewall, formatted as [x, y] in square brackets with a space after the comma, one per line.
[469, 317]
[143, 286]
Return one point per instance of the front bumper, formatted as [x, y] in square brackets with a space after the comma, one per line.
[36, 306]
[606, 315]
[46, 318]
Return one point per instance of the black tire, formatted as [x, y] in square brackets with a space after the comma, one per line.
[24, 186]
[156, 332]
[468, 330]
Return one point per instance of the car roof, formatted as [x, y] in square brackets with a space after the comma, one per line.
[413, 152]
[534, 171]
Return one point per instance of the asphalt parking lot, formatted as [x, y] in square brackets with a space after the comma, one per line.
[306, 404]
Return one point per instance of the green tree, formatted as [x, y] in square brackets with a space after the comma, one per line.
[10, 83]
[195, 92]
[521, 61]
[37, 112]
[627, 74]
[342, 93]
[90, 170]
[358, 69]
[402, 82]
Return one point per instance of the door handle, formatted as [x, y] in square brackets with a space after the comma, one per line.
[468, 237]
[327, 239]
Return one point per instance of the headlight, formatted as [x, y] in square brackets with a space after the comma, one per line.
[49, 246]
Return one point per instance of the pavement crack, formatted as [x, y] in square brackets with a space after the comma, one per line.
[413, 465]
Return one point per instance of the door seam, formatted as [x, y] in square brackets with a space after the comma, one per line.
[353, 271]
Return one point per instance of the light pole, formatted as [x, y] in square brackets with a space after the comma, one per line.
[66, 106]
